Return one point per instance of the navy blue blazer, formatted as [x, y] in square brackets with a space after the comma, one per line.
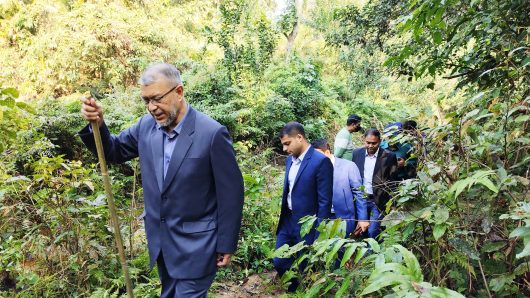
[347, 197]
[384, 177]
[312, 190]
[195, 212]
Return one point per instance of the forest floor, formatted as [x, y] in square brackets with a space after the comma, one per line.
[263, 285]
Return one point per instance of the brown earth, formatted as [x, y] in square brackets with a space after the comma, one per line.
[263, 285]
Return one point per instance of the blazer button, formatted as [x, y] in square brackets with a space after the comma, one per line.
[164, 198]
[163, 219]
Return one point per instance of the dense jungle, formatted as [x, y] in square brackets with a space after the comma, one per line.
[460, 69]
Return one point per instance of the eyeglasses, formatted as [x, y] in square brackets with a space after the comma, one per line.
[157, 100]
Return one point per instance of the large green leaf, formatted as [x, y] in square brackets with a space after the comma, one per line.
[332, 255]
[389, 267]
[307, 224]
[441, 215]
[464, 247]
[459, 186]
[486, 182]
[8, 102]
[497, 284]
[480, 176]
[335, 227]
[520, 232]
[437, 292]
[286, 251]
[384, 280]
[525, 252]
[374, 245]
[439, 231]
[343, 288]
[12, 92]
[347, 254]
[322, 246]
[412, 263]
[492, 246]
[361, 253]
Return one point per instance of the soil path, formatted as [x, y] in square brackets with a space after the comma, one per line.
[260, 285]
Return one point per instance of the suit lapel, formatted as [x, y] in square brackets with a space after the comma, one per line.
[289, 163]
[287, 169]
[182, 146]
[360, 156]
[377, 167]
[307, 157]
[157, 148]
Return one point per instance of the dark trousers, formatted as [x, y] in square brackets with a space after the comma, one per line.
[375, 216]
[173, 288]
[289, 233]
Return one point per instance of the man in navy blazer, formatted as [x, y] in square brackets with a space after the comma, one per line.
[347, 196]
[307, 190]
[193, 188]
[378, 170]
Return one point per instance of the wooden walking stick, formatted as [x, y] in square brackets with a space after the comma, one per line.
[112, 207]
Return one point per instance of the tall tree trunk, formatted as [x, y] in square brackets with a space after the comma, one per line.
[292, 35]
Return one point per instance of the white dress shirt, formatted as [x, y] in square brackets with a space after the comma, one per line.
[293, 171]
[369, 167]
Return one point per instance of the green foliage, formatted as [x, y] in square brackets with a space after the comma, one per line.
[478, 177]
[14, 116]
[404, 276]
[475, 167]
[373, 21]
[288, 18]
[299, 82]
[364, 36]
[521, 213]
[247, 43]
[256, 240]
[465, 217]
[55, 224]
[56, 216]
[289, 91]
[56, 48]
[365, 266]
[55, 229]
[473, 41]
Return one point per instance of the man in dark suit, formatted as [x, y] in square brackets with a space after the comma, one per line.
[377, 168]
[307, 190]
[193, 188]
[347, 196]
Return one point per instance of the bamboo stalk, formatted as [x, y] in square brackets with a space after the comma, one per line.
[112, 207]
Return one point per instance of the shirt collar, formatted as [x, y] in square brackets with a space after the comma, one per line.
[178, 128]
[332, 159]
[301, 157]
[374, 156]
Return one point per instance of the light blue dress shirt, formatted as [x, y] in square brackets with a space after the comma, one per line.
[170, 139]
[332, 158]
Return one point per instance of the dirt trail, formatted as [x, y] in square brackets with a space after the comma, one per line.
[257, 286]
